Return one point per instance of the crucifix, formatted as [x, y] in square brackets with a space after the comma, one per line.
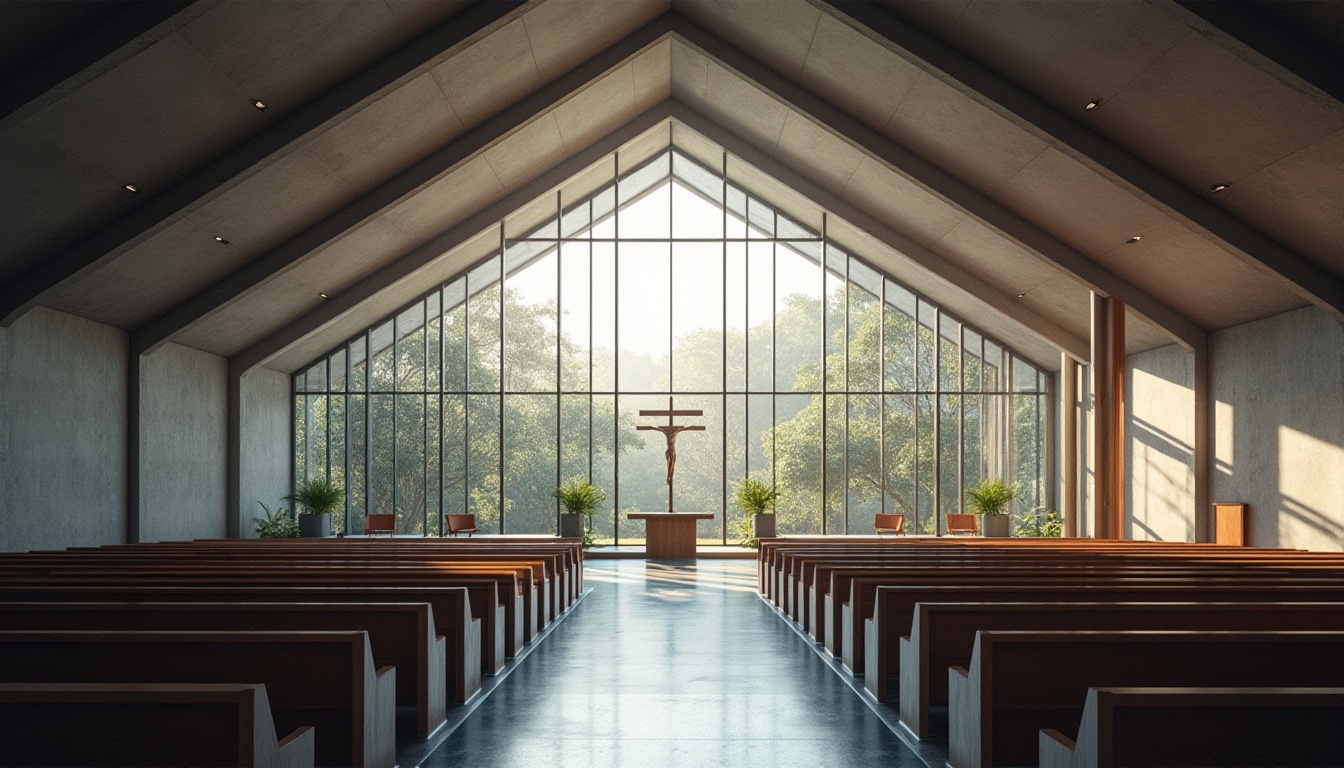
[670, 432]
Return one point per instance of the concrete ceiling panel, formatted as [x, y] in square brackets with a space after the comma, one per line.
[594, 112]
[817, 153]
[416, 16]
[1299, 200]
[697, 146]
[527, 152]
[286, 53]
[248, 320]
[778, 33]
[566, 33]
[644, 146]
[1068, 53]
[488, 76]
[962, 136]
[743, 109]
[1198, 278]
[652, 76]
[1077, 205]
[1141, 335]
[48, 196]
[580, 187]
[274, 204]
[165, 110]
[900, 203]
[151, 277]
[690, 76]
[938, 16]
[1065, 302]
[993, 258]
[450, 199]
[783, 198]
[375, 143]
[523, 221]
[342, 264]
[856, 74]
[1207, 117]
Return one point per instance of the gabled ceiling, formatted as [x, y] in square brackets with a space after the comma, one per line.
[948, 141]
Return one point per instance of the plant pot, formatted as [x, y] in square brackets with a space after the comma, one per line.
[763, 525]
[314, 526]
[571, 526]
[995, 526]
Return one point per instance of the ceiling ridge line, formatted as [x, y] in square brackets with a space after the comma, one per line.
[1098, 153]
[404, 185]
[945, 186]
[227, 170]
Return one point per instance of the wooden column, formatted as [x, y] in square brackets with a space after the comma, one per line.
[1108, 435]
[1068, 443]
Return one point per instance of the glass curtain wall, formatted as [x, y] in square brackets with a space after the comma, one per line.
[669, 286]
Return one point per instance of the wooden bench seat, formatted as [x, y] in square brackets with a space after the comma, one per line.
[401, 635]
[1130, 726]
[1022, 682]
[326, 680]
[140, 724]
[942, 635]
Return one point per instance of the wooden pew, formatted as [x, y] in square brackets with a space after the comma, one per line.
[401, 635]
[322, 679]
[942, 635]
[1021, 682]
[93, 724]
[1129, 726]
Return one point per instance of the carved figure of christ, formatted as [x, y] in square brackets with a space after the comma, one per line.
[670, 432]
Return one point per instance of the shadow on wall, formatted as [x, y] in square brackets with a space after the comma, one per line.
[1160, 468]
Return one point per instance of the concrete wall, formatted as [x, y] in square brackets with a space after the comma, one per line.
[183, 433]
[265, 436]
[1159, 447]
[62, 432]
[1278, 386]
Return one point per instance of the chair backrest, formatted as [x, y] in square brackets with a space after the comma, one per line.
[958, 523]
[384, 523]
[455, 524]
[889, 523]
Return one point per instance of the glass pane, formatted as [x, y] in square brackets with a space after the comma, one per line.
[925, 378]
[411, 459]
[949, 453]
[760, 277]
[737, 213]
[647, 217]
[994, 379]
[643, 472]
[356, 478]
[735, 447]
[410, 373]
[970, 381]
[483, 319]
[836, 332]
[317, 377]
[865, 329]
[483, 461]
[530, 325]
[336, 437]
[358, 369]
[899, 476]
[697, 317]
[382, 441]
[899, 336]
[949, 358]
[604, 466]
[338, 370]
[797, 321]
[693, 216]
[576, 445]
[926, 439]
[316, 435]
[835, 465]
[1024, 376]
[864, 470]
[300, 437]
[433, 471]
[433, 342]
[644, 317]
[735, 304]
[797, 466]
[531, 464]
[456, 491]
[699, 473]
[576, 316]
[455, 336]
[604, 317]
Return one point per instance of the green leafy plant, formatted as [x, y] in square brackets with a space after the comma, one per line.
[1040, 522]
[754, 497]
[580, 497]
[991, 497]
[747, 537]
[318, 496]
[276, 525]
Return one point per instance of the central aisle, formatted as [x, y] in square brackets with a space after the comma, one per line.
[672, 664]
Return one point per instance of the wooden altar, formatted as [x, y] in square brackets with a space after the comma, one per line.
[669, 534]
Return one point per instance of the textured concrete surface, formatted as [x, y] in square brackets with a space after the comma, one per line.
[265, 443]
[183, 408]
[1279, 427]
[1159, 449]
[62, 433]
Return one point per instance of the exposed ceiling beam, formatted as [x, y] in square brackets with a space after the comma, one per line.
[931, 263]
[368, 288]
[126, 33]
[1310, 281]
[149, 336]
[952, 190]
[25, 291]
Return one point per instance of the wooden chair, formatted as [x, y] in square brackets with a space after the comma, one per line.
[969, 524]
[376, 524]
[893, 524]
[455, 524]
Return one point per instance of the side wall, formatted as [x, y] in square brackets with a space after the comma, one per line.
[183, 420]
[62, 432]
[1159, 449]
[265, 436]
[1278, 386]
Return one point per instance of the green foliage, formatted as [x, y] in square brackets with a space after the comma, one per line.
[754, 497]
[741, 527]
[991, 497]
[318, 496]
[580, 497]
[277, 524]
[1040, 522]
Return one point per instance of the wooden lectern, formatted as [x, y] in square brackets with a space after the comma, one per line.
[669, 534]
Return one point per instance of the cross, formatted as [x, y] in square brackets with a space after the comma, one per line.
[670, 432]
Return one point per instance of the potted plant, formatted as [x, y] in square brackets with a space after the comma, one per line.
[276, 525]
[580, 499]
[318, 498]
[990, 500]
[757, 501]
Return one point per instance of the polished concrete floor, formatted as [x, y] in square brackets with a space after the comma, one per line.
[674, 663]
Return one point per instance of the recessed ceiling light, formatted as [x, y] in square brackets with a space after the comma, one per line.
[221, 240]
[323, 295]
[1091, 105]
[259, 104]
[1021, 295]
[1216, 188]
[1134, 239]
[130, 188]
